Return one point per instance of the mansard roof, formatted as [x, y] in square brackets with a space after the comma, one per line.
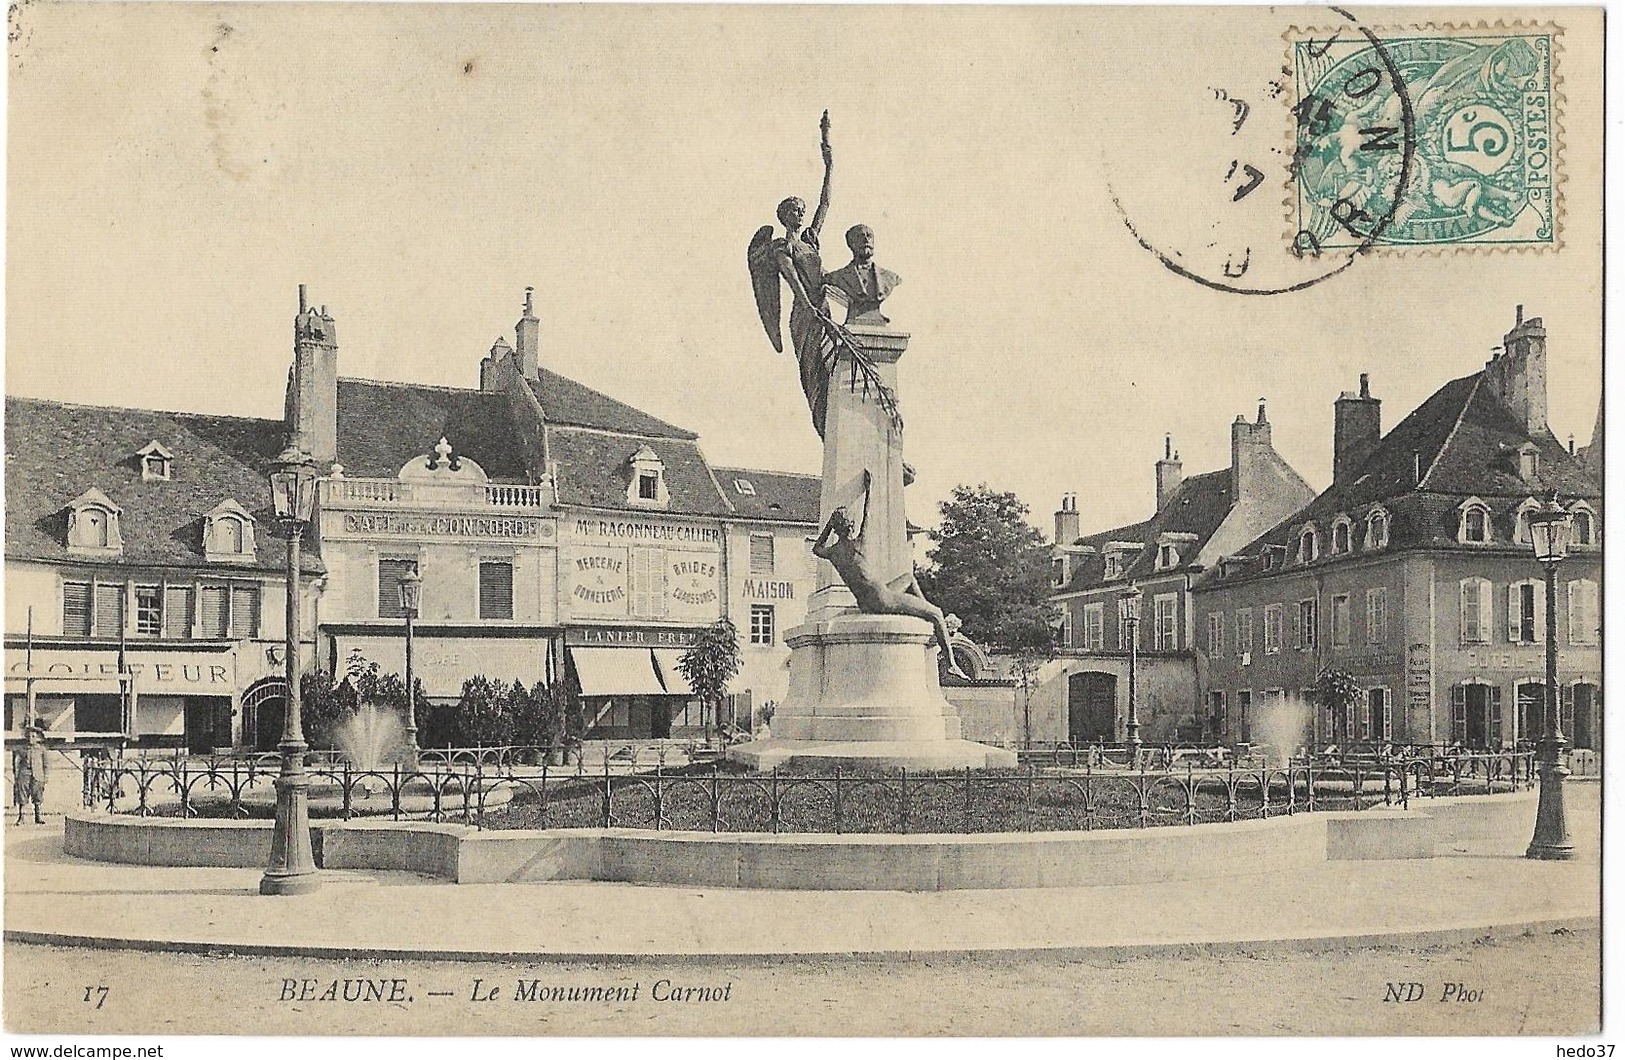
[382, 425]
[1195, 510]
[56, 451]
[1466, 442]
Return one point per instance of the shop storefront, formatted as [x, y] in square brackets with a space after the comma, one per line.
[169, 698]
[444, 657]
[632, 687]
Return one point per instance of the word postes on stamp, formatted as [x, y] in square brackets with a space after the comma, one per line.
[1434, 138]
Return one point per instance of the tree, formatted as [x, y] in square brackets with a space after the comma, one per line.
[711, 662]
[1338, 691]
[990, 567]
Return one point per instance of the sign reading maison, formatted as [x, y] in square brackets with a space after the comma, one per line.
[504, 526]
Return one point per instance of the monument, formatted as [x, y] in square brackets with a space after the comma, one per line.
[863, 671]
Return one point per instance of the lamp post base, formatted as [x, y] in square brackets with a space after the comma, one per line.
[292, 868]
[1551, 841]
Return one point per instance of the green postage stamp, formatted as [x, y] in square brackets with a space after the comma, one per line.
[1440, 137]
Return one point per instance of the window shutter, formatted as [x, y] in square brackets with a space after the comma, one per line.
[245, 611]
[761, 553]
[390, 572]
[1514, 611]
[1495, 717]
[496, 589]
[109, 610]
[76, 609]
[1539, 597]
[1486, 609]
[1468, 601]
[214, 611]
[1458, 714]
[178, 611]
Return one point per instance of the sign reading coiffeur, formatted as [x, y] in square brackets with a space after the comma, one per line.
[153, 670]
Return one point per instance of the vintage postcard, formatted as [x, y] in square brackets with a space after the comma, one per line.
[538, 520]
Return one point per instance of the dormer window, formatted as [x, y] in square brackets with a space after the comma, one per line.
[1308, 544]
[1520, 520]
[156, 462]
[744, 487]
[1376, 529]
[1583, 530]
[1342, 536]
[228, 534]
[1167, 557]
[647, 485]
[93, 525]
[1528, 461]
[1475, 522]
[1058, 571]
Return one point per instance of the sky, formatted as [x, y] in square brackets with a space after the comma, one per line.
[175, 171]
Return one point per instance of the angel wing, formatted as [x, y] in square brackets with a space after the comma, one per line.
[764, 278]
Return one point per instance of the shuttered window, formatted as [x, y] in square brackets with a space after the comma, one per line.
[178, 611]
[390, 572]
[649, 582]
[109, 610]
[496, 588]
[1584, 620]
[1526, 612]
[1376, 615]
[761, 553]
[215, 602]
[76, 609]
[245, 610]
[1476, 608]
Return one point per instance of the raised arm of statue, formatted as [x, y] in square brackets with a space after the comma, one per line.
[817, 225]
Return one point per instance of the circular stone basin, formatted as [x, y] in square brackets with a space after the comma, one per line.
[370, 797]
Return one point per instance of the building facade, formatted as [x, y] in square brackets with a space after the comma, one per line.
[144, 582]
[1413, 572]
[560, 535]
[1082, 696]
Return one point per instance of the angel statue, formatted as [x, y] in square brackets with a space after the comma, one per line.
[817, 339]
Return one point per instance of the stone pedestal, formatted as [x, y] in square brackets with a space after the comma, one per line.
[863, 688]
[863, 691]
[859, 437]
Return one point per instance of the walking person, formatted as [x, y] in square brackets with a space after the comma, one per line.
[28, 767]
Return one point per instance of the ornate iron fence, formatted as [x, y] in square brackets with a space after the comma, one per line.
[497, 788]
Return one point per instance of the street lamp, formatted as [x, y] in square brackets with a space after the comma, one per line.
[1128, 609]
[1549, 533]
[411, 595]
[292, 868]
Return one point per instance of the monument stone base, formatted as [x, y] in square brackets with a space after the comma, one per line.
[864, 692]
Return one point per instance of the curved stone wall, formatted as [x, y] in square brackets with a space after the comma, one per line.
[821, 862]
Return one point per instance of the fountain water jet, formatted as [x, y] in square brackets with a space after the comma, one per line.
[372, 738]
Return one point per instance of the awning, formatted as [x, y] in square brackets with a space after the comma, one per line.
[616, 672]
[671, 673]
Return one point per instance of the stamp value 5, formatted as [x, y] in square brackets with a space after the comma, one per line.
[1425, 138]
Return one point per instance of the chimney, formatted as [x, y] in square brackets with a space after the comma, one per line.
[525, 339]
[1518, 376]
[1067, 528]
[500, 351]
[1170, 473]
[1356, 430]
[1248, 443]
[313, 384]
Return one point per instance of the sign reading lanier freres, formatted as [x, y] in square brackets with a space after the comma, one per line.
[642, 568]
